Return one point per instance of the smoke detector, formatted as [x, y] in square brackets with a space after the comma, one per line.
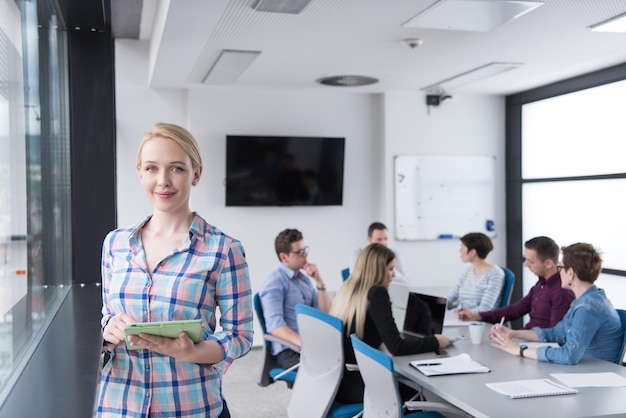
[413, 42]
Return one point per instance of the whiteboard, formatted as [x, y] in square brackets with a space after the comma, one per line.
[444, 197]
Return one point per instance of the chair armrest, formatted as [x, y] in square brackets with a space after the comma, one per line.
[288, 344]
[433, 406]
[351, 367]
[284, 372]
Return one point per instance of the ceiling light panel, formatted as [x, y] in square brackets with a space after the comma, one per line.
[470, 15]
[229, 66]
[471, 76]
[614, 24]
[281, 6]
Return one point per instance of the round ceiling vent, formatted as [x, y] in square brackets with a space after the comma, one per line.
[347, 80]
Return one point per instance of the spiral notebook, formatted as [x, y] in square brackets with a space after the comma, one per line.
[530, 388]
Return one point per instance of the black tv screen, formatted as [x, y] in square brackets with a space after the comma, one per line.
[284, 170]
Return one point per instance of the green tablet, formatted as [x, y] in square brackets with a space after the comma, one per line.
[169, 329]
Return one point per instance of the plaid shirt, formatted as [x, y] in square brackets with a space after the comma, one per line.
[205, 271]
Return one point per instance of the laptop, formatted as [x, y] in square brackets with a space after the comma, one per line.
[424, 315]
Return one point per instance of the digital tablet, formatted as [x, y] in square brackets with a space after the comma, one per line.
[169, 329]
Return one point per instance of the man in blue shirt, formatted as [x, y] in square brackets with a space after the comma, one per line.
[287, 286]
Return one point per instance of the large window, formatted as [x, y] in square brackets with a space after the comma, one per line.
[572, 175]
[35, 238]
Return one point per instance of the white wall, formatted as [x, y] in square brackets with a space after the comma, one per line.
[138, 108]
[376, 128]
[465, 125]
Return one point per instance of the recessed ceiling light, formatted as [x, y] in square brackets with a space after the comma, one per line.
[281, 6]
[448, 85]
[347, 81]
[470, 15]
[614, 24]
[229, 66]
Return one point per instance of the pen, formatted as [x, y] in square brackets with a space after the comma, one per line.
[428, 364]
[502, 321]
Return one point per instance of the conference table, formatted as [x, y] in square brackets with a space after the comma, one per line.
[469, 393]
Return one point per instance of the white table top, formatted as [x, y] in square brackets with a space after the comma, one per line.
[469, 393]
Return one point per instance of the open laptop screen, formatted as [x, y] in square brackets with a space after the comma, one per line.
[424, 314]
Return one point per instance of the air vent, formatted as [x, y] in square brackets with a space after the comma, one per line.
[347, 81]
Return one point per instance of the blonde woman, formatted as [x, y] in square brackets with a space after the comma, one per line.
[363, 304]
[172, 265]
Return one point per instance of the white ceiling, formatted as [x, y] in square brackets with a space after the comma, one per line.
[365, 37]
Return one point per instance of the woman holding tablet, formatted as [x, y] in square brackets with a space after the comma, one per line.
[171, 266]
[590, 327]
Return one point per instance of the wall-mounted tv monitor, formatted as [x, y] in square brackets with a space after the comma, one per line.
[284, 170]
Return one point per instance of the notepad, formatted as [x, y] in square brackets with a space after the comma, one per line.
[460, 364]
[530, 388]
[582, 380]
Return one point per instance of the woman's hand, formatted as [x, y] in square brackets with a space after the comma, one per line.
[442, 340]
[502, 340]
[501, 329]
[181, 348]
[113, 332]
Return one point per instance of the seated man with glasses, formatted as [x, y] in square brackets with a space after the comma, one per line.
[287, 286]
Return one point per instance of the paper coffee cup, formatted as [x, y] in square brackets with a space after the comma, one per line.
[476, 332]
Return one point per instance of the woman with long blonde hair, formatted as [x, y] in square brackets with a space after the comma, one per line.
[363, 304]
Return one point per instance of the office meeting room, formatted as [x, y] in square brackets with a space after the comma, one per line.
[407, 208]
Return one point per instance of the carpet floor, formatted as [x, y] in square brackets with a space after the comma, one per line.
[245, 398]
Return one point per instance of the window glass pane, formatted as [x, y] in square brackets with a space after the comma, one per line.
[579, 211]
[35, 220]
[614, 288]
[575, 134]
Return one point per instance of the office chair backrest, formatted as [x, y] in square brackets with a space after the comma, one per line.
[269, 369]
[507, 287]
[321, 364]
[345, 273]
[381, 398]
[622, 352]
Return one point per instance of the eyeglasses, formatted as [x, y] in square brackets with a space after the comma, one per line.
[560, 267]
[302, 251]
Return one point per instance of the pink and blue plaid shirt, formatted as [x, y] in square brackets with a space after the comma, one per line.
[206, 271]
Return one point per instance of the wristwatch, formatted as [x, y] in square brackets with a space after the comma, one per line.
[521, 349]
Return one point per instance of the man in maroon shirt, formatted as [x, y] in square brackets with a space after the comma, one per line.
[546, 302]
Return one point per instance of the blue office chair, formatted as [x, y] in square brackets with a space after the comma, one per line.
[382, 397]
[622, 352]
[507, 287]
[270, 372]
[345, 273]
[321, 367]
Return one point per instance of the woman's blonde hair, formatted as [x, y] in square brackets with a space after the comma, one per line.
[350, 304]
[178, 134]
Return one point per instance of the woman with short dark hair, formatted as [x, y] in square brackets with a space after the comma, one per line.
[480, 287]
[591, 326]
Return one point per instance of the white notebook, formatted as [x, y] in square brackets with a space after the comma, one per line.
[530, 388]
[460, 364]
